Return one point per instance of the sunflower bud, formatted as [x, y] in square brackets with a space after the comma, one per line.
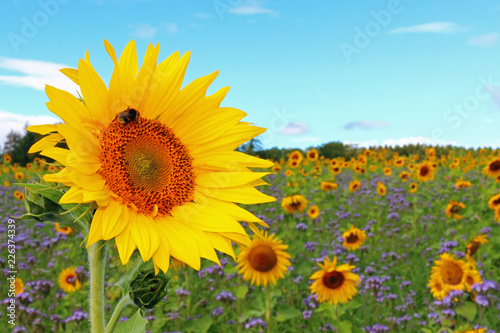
[148, 289]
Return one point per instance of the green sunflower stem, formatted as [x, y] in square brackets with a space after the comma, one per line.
[268, 310]
[97, 263]
[113, 321]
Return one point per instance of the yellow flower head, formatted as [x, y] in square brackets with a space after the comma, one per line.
[439, 290]
[413, 188]
[159, 161]
[313, 211]
[328, 186]
[493, 167]
[381, 189]
[425, 171]
[264, 261]
[68, 280]
[451, 272]
[354, 185]
[312, 155]
[334, 284]
[453, 209]
[19, 286]
[353, 238]
[294, 204]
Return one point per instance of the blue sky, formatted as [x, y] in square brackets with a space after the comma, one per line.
[364, 72]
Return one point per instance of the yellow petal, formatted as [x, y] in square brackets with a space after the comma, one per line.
[111, 51]
[207, 218]
[56, 153]
[161, 259]
[244, 195]
[125, 245]
[46, 142]
[232, 157]
[113, 224]
[95, 233]
[69, 108]
[42, 129]
[221, 244]
[94, 92]
[227, 179]
[183, 245]
[72, 74]
[73, 195]
[145, 234]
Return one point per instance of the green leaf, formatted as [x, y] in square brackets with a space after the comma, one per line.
[345, 326]
[467, 310]
[286, 312]
[242, 291]
[135, 324]
[250, 313]
[158, 324]
[200, 325]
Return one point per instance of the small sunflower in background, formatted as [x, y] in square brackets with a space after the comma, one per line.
[463, 184]
[68, 280]
[7, 158]
[493, 168]
[381, 189]
[354, 185]
[387, 171]
[353, 238]
[294, 203]
[453, 209]
[265, 261]
[413, 188]
[334, 284]
[313, 211]
[405, 176]
[494, 201]
[19, 176]
[19, 286]
[65, 230]
[474, 244]
[425, 171]
[18, 195]
[472, 277]
[312, 155]
[438, 289]
[328, 186]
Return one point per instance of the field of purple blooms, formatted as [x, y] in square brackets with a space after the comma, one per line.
[406, 234]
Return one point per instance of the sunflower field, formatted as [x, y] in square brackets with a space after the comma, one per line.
[377, 243]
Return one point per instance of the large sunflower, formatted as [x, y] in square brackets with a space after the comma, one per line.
[159, 163]
[265, 261]
[68, 280]
[334, 284]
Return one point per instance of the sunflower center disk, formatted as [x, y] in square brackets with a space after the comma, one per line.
[452, 274]
[424, 171]
[352, 238]
[333, 280]
[495, 166]
[146, 165]
[262, 258]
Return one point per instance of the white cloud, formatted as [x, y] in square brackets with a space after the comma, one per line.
[171, 28]
[403, 141]
[12, 121]
[145, 31]
[433, 27]
[250, 7]
[295, 128]
[37, 74]
[488, 120]
[366, 124]
[486, 40]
